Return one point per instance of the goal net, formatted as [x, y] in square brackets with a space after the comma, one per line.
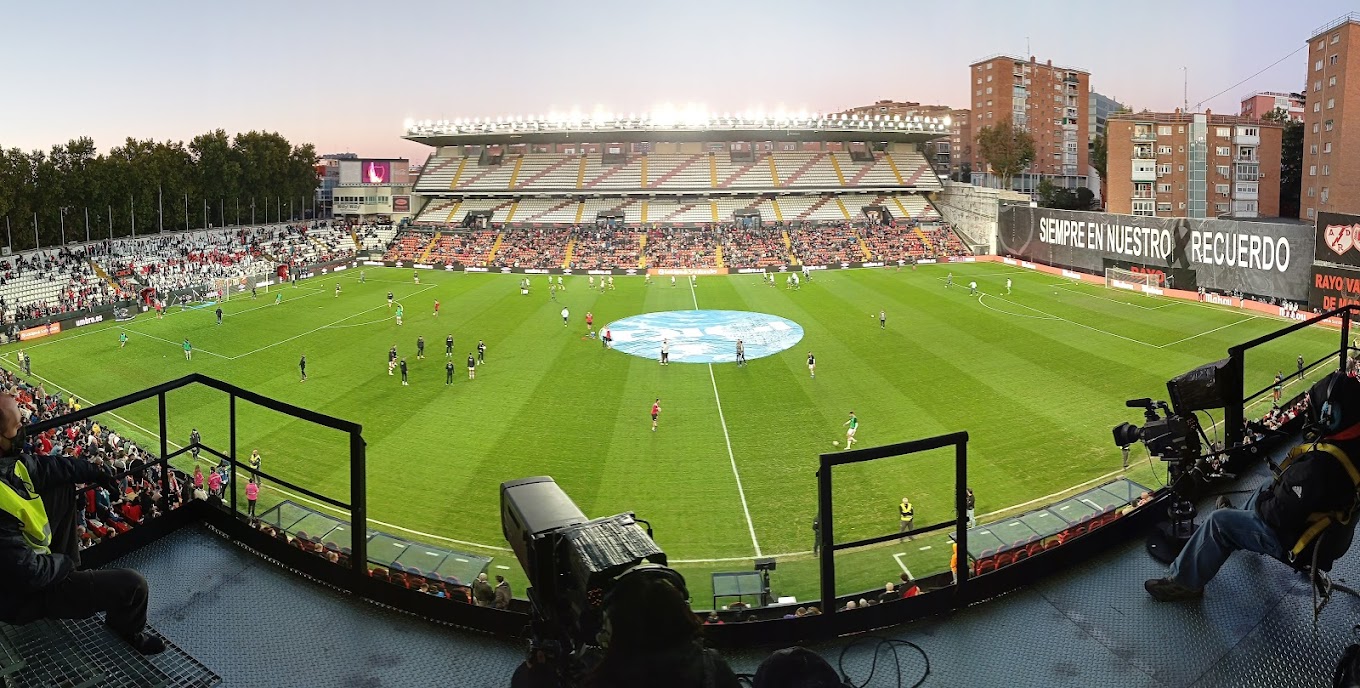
[1119, 278]
[226, 288]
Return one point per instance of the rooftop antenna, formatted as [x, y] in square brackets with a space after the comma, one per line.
[1185, 89]
[1027, 51]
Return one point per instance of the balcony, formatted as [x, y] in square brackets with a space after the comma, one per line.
[1245, 192]
[1144, 154]
[1241, 139]
[1144, 171]
[1070, 113]
[1145, 135]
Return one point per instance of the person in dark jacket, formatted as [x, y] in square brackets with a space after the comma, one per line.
[39, 552]
[1274, 520]
[482, 594]
[501, 595]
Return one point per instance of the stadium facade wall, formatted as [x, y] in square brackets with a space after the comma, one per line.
[1265, 259]
[973, 210]
[1336, 270]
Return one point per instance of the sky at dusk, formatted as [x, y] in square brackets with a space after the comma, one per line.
[344, 75]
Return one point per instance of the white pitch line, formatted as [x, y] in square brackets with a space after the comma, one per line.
[905, 570]
[1194, 336]
[318, 329]
[1015, 315]
[1059, 285]
[177, 344]
[1070, 322]
[741, 492]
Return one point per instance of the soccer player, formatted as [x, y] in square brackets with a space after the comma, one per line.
[647, 279]
[391, 359]
[278, 298]
[436, 308]
[590, 321]
[672, 281]
[1279, 385]
[852, 426]
[403, 372]
[389, 300]
[1008, 286]
[420, 347]
[448, 346]
[399, 312]
[949, 280]
[592, 281]
[481, 352]
[611, 282]
[415, 275]
[559, 283]
[552, 291]
[565, 315]
[604, 339]
[472, 367]
[1300, 366]
[972, 288]
[194, 440]
[812, 364]
[741, 353]
[302, 366]
[219, 315]
[189, 351]
[361, 277]
[882, 320]
[253, 294]
[665, 353]
[122, 339]
[337, 290]
[448, 372]
[656, 411]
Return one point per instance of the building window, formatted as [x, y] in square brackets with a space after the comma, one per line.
[1220, 208]
[1221, 189]
[1222, 170]
[1324, 194]
[1163, 188]
[989, 65]
[1312, 150]
[1163, 131]
[1311, 213]
[1331, 82]
[1327, 125]
[1180, 130]
[1317, 85]
[1163, 169]
[1224, 132]
[1312, 170]
[1331, 103]
[1317, 107]
[1317, 66]
[1224, 151]
[1163, 207]
[1326, 147]
[1310, 192]
[1182, 168]
[989, 90]
[979, 81]
[1164, 150]
[1332, 60]
[1326, 170]
[1315, 127]
[1336, 38]
[989, 76]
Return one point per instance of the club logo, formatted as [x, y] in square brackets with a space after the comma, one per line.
[704, 336]
[1341, 238]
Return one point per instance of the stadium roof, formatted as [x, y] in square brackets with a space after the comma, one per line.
[619, 129]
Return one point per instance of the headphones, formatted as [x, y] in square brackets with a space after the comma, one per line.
[1329, 416]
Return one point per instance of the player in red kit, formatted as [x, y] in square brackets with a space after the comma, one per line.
[656, 411]
[436, 308]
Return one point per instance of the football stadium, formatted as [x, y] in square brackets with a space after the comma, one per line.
[770, 387]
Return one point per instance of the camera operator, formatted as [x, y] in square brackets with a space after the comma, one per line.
[38, 558]
[650, 638]
[1310, 501]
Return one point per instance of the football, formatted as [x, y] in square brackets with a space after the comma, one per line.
[835, 443]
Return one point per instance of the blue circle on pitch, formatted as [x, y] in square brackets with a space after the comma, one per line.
[704, 336]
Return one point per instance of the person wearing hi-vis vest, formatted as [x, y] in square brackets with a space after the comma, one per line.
[38, 548]
[906, 513]
[1304, 516]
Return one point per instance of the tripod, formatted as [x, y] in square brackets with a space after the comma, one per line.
[1170, 536]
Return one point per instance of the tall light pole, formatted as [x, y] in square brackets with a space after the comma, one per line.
[62, 214]
[87, 224]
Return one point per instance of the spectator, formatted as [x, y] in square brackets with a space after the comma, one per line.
[713, 619]
[482, 594]
[252, 493]
[889, 594]
[972, 522]
[501, 595]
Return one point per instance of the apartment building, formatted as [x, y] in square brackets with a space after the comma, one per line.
[1262, 103]
[1049, 101]
[946, 153]
[1331, 121]
[1177, 164]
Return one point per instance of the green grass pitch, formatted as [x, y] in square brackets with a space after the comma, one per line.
[1038, 378]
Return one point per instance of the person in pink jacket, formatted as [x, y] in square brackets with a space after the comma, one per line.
[198, 477]
[252, 493]
[214, 484]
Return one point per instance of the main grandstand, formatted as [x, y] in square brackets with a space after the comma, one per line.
[616, 192]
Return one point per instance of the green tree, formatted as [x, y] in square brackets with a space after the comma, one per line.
[1291, 161]
[1007, 149]
[1100, 153]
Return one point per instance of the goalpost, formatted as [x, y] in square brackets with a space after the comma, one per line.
[1118, 278]
[224, 288]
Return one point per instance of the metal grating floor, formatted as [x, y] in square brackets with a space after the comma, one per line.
[255, 624]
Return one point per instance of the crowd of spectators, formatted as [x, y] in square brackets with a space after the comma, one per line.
[137, 495]
[45, 283]
[532, 247]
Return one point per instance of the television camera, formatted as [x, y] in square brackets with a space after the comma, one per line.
[574, 565]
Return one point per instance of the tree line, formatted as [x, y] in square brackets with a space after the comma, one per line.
[215, 180]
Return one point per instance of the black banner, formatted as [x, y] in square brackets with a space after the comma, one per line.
[1270, 259]
[1338, 239]
[1334, 287]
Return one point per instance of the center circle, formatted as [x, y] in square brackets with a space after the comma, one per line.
[702, 336]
